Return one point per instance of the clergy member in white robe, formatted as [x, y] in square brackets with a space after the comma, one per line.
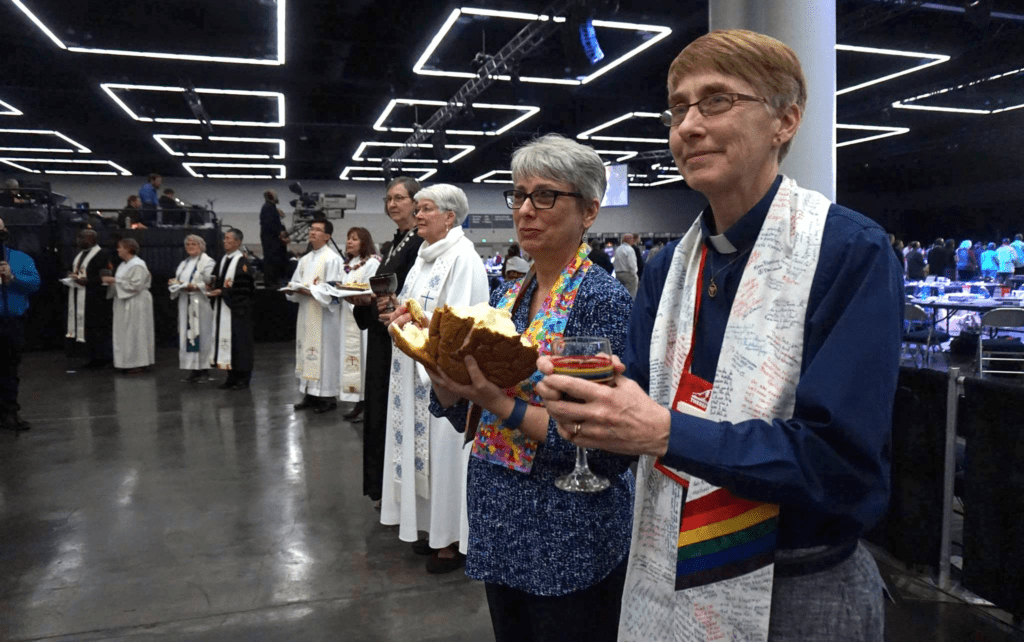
[134, 341]
[425, 462]
[195, 315]
[318, 328]
[362, 264]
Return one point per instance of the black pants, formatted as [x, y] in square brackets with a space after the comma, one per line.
[589, 615]
[12, 340]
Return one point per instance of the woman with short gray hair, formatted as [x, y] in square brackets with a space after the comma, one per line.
[195, 315]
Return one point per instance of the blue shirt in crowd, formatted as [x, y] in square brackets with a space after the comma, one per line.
[14, 295]
[827, 466]
[524, 532]
[148, 196]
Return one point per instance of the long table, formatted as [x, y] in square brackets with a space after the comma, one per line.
[981, 305]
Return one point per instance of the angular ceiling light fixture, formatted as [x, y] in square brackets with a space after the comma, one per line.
[82, 149]
[24, 163]
[659, 33]
[935, 59]
[658, 180]
[589, 134]
[906, 102]
[620, 156]
[385, 115]
[192, 167]
[354, 173]
[885, 133]
[279, 142]
[276, 96]
[276, 61]
[363, 147]
[9, 109]
[487, 178]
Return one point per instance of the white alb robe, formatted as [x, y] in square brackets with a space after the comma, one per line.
[134, 340]
[425, 461]
[353, 340]
[318, 329]
[195, 314]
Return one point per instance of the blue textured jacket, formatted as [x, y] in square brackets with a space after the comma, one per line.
[14, 295]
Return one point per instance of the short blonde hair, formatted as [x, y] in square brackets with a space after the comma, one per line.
[198, 239]
[766, 64]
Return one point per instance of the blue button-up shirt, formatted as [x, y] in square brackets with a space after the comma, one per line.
[14, 295]
[828, 465]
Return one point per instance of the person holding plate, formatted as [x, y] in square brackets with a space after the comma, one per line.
[361, 265]
[195, 315]
[553, 562]
[760, 374]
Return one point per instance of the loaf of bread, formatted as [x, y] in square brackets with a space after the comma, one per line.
[480, 331]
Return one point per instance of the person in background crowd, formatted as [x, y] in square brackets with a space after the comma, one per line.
[232, 293]
[989, 262]
[133, 333]
[195, 315]
[733, 425]
[1018, 249]
[950, 270]
[937, 258]
[897, 248]
[516, 268]
[173, 209]
[915, 262]
[625, 265]
[1004, 258]
[10, 196]
[131, 216]
[966, 265]
[639, 257]
[361, 265]
[318, 328]
[598, 256]
[552, 561]
[399, 255]
[658, 246]
[513, 250]
[89, 310]
[274, 239]
[425, 477]
[18, 279]
[149, 198]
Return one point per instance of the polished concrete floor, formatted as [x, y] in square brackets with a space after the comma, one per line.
[142, 508]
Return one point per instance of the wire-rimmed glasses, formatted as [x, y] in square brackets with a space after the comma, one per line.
[707, 106]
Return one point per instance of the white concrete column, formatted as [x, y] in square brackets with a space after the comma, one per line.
[809, 28]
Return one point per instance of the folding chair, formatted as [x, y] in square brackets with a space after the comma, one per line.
[1001, 349]
[920, 333]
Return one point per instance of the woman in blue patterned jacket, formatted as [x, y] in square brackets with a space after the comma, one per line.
[553, 561]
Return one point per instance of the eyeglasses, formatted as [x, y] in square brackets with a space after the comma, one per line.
[398, 198]
[542, 199]
[708, 106]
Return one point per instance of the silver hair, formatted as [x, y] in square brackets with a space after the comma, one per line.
[130, 244]
[198, 239]
[446, 197]
[557, 158]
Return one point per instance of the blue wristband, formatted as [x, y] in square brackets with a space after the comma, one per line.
[518, 412]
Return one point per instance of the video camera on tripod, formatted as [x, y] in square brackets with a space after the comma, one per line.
[310, 205]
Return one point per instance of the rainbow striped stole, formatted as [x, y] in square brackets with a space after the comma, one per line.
[722, 536]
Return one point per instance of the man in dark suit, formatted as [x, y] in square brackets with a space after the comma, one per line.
[231, 298]
[274, 239]
[93, 327]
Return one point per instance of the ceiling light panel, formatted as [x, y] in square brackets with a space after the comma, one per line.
[616, 156]
[357, 173]
[7, 109]
[236, 170]
[39, 140]
[496, 176]
[275, 14]
[974, 86]
[871, 132]
[368, 147]
[127, 96]
[648, 36]
[932, 60]
[633, 118]
[222, 146]
[66, 166]
[402, 113]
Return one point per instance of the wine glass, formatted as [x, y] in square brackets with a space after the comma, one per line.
[385, 284]
[584, 358]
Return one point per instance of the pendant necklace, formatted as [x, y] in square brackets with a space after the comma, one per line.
[396, 249]
[712, 286]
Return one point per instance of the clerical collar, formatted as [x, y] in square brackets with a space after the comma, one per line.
[743, 233]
